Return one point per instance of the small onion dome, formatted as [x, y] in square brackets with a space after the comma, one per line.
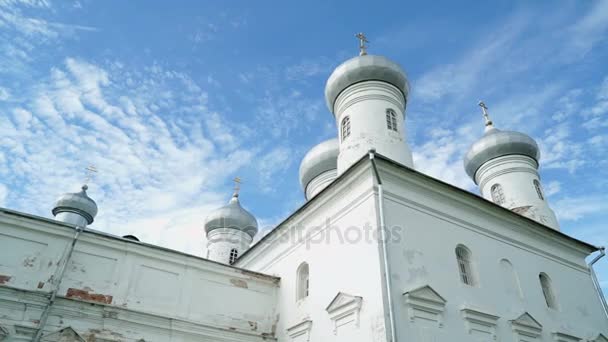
[232, 216]
[364, 68]
[321, 158]
[78, 203]
[496, 143]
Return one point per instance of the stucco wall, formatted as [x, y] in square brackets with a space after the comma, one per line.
[129, 279]
[339, 261]
[434, 221]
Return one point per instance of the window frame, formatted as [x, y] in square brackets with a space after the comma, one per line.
[234, 254]
[546, 286]
[466, 270]
[302, 281]
[539, 190]
[345, 127]
[497, 193]
[391, 120]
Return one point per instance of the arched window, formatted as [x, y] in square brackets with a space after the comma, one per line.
[302, 281]
[545, 284]
[510, 279]
[345, 127]
[391, 120]
[539, 192]
[498, 196]
[233, 255]
[465, 267]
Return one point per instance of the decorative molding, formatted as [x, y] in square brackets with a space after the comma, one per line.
[600, 338]
[425, 303]
[344, 309]
[64, 335]
[3, 333]
[300, 331]
[563, 337]
[526, 325]
[479, 321]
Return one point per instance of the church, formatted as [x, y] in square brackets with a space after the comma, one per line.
[378, 252]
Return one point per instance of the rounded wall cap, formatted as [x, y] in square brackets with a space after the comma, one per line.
[364, 68]
[496, 143]
[77, 202]
[232, 216]
[321, 158]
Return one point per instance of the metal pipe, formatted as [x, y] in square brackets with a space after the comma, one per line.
[596, 283]
[57, 277]
[387, 274]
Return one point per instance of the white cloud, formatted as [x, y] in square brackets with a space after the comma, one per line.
[575, 208]
[552, 188]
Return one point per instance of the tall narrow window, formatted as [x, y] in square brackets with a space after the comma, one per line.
[510, 279]
[498, 196]
[545, 284]
[539, 192]
[233, 255]
[391, 120]
[302, 281]
[463, 257]
[345, 127]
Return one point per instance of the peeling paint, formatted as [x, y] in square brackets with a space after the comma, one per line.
[85, 295]
[239, 283]
[253, 325]
[40, 284]
[29, 262]
[4, 279]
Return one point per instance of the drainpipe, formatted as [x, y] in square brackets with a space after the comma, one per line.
[596, 283]
[387, 274]
[57, 277]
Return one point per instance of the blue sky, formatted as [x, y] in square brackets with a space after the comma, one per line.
[171, 100]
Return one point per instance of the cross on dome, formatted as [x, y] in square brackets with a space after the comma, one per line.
[362, 40]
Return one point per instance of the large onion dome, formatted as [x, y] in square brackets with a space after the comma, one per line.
[364, 68]
[320, 159]
[78, 202]
[232, 216]
[496, 143]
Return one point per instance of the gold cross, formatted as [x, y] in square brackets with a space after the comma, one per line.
[362, 41]
[237, 185]
[90, 171]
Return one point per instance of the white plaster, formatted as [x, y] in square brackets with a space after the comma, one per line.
[516, 175]
[365, 103]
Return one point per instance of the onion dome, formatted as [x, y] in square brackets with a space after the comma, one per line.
[78, 203]
[320, 159]
[364, 68]
[232, 216]
[496, 143]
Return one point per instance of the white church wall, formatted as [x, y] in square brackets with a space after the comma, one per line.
[339, 261]
[508, 254]
[129, 285]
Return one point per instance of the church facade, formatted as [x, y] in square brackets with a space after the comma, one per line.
[379, 252]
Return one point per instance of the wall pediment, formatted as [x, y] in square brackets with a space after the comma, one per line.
[425, 303]
[600, 338]
[344, 309]
[563, 337]
[526, 325]
[300, 331]
[479, 322]
[64, 335]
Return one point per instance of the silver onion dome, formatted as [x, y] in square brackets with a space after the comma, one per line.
[496, 143]
[232, 216]
[321, 158]
[78, 202]
[364, 68]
